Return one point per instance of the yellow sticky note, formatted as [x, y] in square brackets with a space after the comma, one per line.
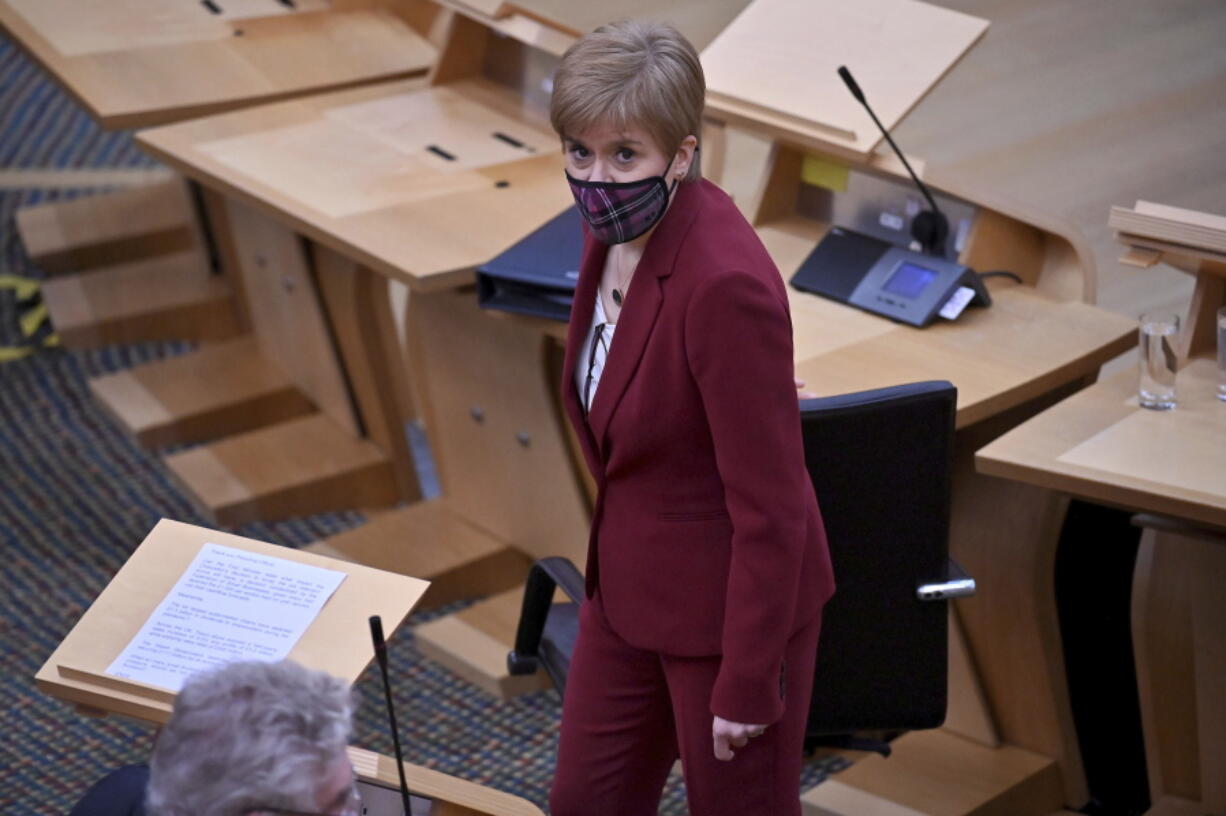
[824, 173]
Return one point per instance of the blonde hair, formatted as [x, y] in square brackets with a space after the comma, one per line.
[631, 74]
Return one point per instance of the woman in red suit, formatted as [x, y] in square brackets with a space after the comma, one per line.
[707, 563]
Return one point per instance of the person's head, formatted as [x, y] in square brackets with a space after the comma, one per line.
[252, 738]
[627, 103]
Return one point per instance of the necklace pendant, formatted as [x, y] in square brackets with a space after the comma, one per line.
[617, 297]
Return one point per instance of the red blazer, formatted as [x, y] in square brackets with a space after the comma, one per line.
[706, 537]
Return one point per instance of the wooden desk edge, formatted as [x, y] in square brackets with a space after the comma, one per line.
[1085, 486]
[426, 282]
[381, 769]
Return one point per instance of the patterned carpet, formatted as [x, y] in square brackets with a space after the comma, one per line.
[77, 496]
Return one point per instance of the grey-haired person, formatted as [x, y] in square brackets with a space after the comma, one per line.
[246, 739]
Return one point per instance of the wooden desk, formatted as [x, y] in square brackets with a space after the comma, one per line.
[354, 171]
[135, 63]
[1100, 445]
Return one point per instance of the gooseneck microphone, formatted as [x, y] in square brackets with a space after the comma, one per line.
[376, 636]
[929, 227]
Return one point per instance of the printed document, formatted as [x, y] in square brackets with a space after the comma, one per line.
[228, 605]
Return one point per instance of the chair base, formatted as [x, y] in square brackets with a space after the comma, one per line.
[474, 644]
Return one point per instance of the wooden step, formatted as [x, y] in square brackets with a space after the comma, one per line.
[298, 467]
[1176, 806]
[170, 297]
[936, 773]
[220, 390]
[429, 540]
[474, 644]
[108, 228]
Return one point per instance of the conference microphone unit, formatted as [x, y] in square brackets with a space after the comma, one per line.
[929, 227]
[376, 636]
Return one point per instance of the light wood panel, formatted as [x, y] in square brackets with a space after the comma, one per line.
[938, 774]
[699, 20]
[1164, 651]
[299, 467]
[360, 316]
[1178, 615]
[431, 541]
[224, 388]
[168, 297]
[291, 329]
[452, 796]
[106, 229]
[774, 67]
[494, 425]
[133, 63]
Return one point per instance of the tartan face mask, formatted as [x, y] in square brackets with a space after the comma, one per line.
[620, 211]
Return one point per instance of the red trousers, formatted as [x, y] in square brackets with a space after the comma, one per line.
[629, 713]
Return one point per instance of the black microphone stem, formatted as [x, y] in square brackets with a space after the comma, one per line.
[376, 635]
[940, 226]
[923, 189]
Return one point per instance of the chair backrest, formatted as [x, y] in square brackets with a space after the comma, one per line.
[881, 464]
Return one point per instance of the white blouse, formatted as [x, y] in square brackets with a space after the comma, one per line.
[595, 364]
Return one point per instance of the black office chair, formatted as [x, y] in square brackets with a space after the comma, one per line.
[881, 463]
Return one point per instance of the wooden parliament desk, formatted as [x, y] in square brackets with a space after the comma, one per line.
[135, 265]
[76, 670]
[1170, 465]
[373, 199]
[413, 182]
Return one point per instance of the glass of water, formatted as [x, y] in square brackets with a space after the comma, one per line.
[1221, 354]
[1159, 332]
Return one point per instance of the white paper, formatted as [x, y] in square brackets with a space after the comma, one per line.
[957, 302]
[228, 605]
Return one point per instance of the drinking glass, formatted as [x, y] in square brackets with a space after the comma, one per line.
[1221, 354]
[1156, 388]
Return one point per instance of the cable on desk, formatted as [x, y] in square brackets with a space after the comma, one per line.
[999, 273]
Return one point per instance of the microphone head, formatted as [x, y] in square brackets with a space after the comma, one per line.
[376, 634]
[850, 82]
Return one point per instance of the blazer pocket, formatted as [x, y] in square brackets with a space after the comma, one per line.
[695, 515]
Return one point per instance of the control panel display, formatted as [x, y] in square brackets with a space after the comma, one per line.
[909, 280]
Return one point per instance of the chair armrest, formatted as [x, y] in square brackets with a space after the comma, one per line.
[956, 584]
[544, 577]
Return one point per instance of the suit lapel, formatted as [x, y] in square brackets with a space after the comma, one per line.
[590, 268]
[642, 306]
[637, 319]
